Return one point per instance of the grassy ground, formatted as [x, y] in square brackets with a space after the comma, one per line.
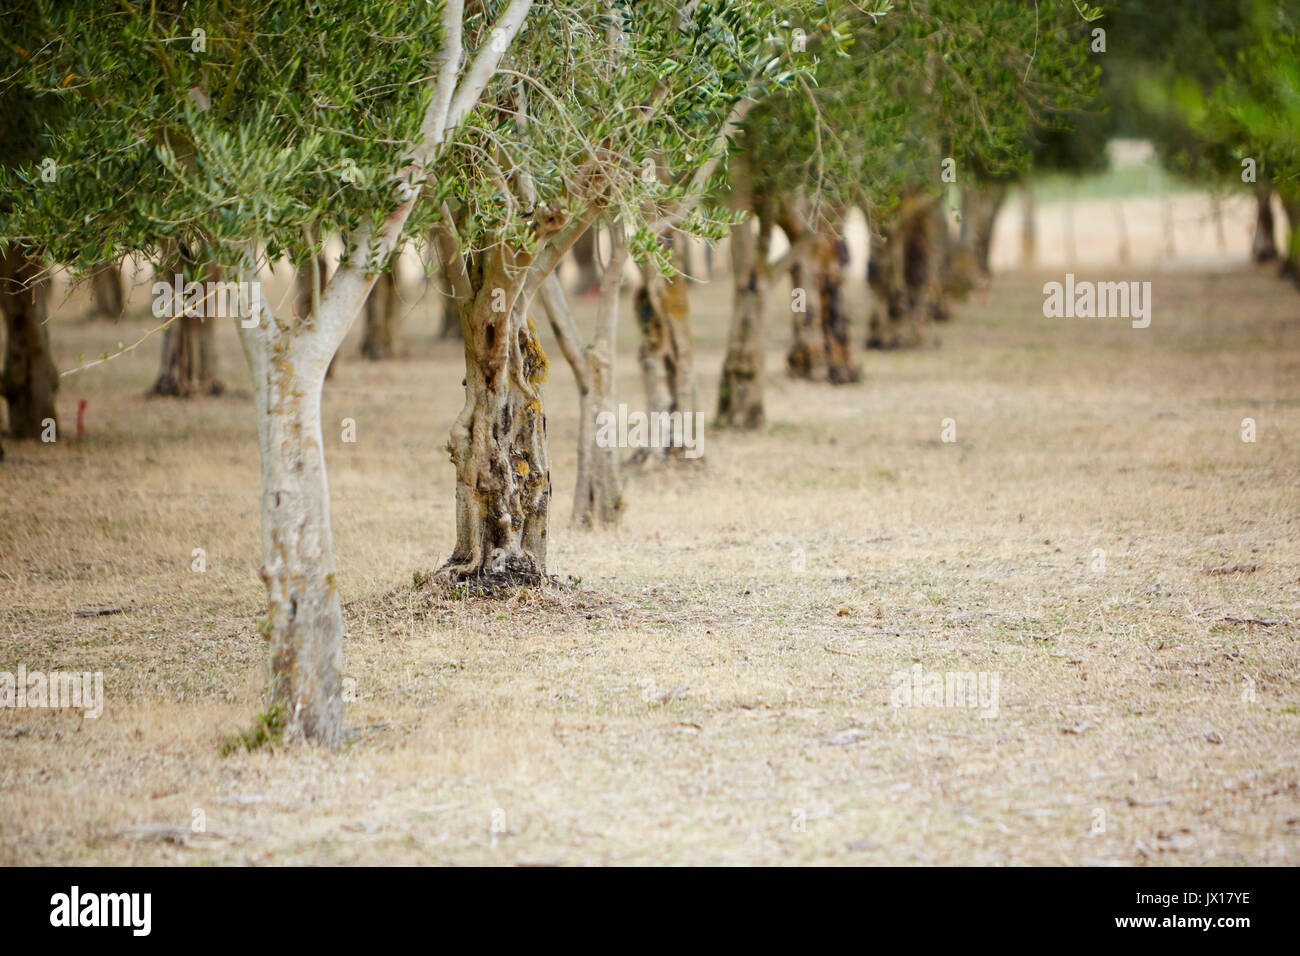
[717, 688]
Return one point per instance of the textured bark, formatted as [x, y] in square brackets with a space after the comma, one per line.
[806, 357]
[30, 380]
[498, 442]
[831, 254]
[382, 311]
[107, 295]
[304, 618]
[1264, 246]
[189, 351]
[740, 393]
[666, 353]
[584, 255]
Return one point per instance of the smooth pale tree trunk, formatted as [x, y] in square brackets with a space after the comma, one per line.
[1263, 248]
[382, 312]
[305, 620]
[107, 296]
[498, 442]
[188, 366]
[30, 379]
[584, 255]
[666, 353]
[1028, 224]
[740, 393]
[598, 490]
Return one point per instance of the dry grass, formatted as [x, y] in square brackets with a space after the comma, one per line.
[723, 669]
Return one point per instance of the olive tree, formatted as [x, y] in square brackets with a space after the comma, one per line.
[254, 131]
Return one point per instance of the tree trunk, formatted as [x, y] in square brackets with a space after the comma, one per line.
[584, 255]
[30, 379]
[107, 296]
[979, 212]
[498, 442]
[1028, 227]
[598, 491]
[666, 354]
[740, 393]
[382, 309]
[807, 355]
[1291, 264]
[1264, 246]
[832, 255]
[906, 292]
[304, 619]
[189, 350]
[304, 299]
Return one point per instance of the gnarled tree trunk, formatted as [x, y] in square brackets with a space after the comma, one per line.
[498, 442]
[740, 393]
[831, 254]
[901, 275]
[30, 379]
[107, 296]
[382, 312]
[189, 349]
[666, 353]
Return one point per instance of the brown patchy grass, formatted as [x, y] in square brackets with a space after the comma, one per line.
[723, 665]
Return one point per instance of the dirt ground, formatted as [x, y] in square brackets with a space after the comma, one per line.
[718, 683]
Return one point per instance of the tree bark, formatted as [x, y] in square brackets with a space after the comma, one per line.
[304, 619]
[832, 255]
[1264, 246]
[740, 393]
[30, 380]
[310, 280]
[382, 308]
[498, 442]
[189, 351]
[107, 296]
[666, 353]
